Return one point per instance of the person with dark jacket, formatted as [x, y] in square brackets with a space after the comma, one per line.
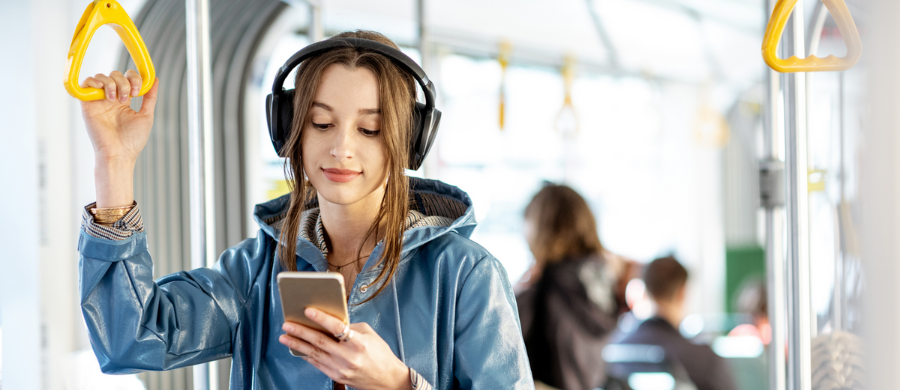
[566, 306]
[666, 280]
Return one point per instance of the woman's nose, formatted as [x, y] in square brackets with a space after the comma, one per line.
[342, 149]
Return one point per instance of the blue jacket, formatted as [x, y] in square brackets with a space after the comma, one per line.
[449, 312]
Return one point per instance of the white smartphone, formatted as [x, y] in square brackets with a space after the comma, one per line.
[320, 290]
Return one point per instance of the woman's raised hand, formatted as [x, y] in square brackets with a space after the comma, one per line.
[117, 132]
[362, 361]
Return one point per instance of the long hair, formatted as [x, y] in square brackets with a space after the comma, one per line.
[396, 91]
[565, 226]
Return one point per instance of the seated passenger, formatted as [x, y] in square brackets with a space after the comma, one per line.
[567, 306]
[666, 282]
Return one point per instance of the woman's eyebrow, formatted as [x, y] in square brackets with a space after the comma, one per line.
[323, 106]
[362, 111]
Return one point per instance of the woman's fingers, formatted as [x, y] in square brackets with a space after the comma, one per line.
[334, 366]
[300, 340]
[120, 87]
[91, 82]
[313, 337]
[330, 323]
[123, 86]
[148, 104]
[109, 86]
[331, 372]
[135, 80]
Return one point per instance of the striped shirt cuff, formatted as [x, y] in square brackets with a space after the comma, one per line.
[129, 225]
[418, 382]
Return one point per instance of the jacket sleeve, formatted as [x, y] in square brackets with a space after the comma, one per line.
[489, 350]
[182, 319]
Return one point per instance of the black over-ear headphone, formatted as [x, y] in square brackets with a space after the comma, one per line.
[280, 103]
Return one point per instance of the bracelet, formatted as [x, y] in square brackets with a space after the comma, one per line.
[108, 216]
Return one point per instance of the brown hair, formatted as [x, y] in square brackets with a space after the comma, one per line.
[397, 94]
[565, 225]
[663, 277]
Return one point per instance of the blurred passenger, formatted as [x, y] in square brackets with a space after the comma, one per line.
[666, 282]
[752, 300]
[567, 306]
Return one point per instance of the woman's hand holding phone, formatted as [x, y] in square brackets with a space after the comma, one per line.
[364, 361]
[118, 133]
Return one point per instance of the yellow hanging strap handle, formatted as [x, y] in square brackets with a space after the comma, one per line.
[503, 59]
[568, 75]
[97, 14]
[842, 18]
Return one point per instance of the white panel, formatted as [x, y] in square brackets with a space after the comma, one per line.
[19, 235]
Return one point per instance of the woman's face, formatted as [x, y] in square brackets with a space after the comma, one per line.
[341, 144]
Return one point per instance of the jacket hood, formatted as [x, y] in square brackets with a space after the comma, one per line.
[431, 198]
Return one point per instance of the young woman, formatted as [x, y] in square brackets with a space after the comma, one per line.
[428, 306]
[567, 305]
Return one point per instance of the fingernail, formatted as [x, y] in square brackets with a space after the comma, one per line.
[287, 328]
[134, 91]
[112, 96]
[310, 313]
[125, 98]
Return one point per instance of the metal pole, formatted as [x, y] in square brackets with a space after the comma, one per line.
[424, 39]
[200, 143]
[429, 166]
[774, 234]
[316, 28]
[797, 211]
[841, 258]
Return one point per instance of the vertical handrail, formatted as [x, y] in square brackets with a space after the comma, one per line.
[841, 259]
[774, 233]
[200, 155]
[429, 167]
[797, 211]
[316, 28]
[423, 38]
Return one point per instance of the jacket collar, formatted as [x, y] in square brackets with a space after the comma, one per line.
[436, 209]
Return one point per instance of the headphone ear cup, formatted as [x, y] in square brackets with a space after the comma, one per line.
[286, 114]
[433, 121]
[426, 124]
[279, 117]
[416, 138]
[271, 121]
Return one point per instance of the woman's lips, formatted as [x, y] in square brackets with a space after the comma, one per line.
[340, 175]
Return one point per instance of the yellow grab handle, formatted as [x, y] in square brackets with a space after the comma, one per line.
[98, 13]
[842, 18]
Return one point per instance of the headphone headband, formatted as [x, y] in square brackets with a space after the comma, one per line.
[280, 110]
[395, 55]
